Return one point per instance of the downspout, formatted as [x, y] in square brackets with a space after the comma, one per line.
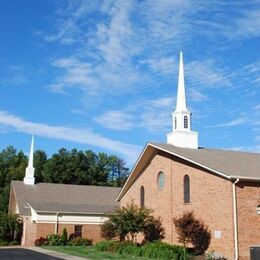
[56, 223]
[235, 217]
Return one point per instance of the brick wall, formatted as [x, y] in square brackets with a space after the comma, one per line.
[248, 197]
[33, 231]
[211, 199]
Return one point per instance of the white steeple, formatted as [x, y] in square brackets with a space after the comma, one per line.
[181, 134]
[29, 172]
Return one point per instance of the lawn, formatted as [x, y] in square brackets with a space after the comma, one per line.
[89, 252]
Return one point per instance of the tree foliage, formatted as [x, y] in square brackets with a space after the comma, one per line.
[128, 221]
[10, 227]
[194, 231]
[68, 167]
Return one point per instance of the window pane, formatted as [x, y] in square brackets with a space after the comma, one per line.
[142, 196]
[160, 180]
[186, 189]
[78, 231]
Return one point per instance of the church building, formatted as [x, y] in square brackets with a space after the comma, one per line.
[221, 187]
[47, 208]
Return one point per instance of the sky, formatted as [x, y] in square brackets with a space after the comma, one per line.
[102, 74]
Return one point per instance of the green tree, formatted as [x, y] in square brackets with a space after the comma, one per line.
[39, 161]
[128, 221]
[10, 227]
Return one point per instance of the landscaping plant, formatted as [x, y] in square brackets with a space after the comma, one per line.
[194, 231]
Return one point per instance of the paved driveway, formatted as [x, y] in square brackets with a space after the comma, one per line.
[21, 253]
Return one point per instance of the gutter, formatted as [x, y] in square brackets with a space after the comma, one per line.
[235, 217]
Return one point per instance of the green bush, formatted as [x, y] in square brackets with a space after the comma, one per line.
[64, 236]
[157, 249]
[14, 243]
[3, 243]
[163, 251]
[54, 240]
[10, 227]
[107, 245]
[79, 241]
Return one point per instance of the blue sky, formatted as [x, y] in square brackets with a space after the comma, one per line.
[102, 75]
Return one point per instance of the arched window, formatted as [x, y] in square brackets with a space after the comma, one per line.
[185, 122]
[142, 196]
[175, 122]
[186, 192]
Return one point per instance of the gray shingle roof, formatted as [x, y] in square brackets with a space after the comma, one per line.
[231, 163]
[65, 198]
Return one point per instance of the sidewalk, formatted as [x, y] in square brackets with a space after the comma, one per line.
[54, 253]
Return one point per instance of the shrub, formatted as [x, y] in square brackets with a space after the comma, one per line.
[14, 243]
[54, 240]
[107, 245]
[192, 230]
[153, 229]
[64, 236]
[3, 243]
[215, 256]
[10, 227]
[157, 249]
[42, 241]
[161, 250]
[79, 241]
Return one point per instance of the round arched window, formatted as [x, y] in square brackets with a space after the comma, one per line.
[160, 180]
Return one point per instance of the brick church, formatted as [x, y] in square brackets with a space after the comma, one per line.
[221, 187]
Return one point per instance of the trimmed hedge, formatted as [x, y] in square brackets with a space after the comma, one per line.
[156, 249]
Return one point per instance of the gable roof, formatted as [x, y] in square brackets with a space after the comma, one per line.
[228, 164]
[65, 198]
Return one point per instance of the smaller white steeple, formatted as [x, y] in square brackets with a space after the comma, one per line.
[29, 172]
[181, 134]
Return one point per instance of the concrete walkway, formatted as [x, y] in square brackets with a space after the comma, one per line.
[55, 253]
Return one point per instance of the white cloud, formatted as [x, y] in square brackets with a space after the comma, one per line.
[206, 74]
[153, 115]
[78, 135]
[117, 120]
[234, 122]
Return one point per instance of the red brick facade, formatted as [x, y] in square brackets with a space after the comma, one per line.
[210, 199]
[33, 231]
[248, 198]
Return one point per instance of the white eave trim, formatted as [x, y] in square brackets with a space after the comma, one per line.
[137, 162]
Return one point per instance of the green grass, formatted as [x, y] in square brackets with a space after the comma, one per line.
[89, 252]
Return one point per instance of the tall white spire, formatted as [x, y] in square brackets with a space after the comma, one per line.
[29, 172]
[181, 97]
[181, 134]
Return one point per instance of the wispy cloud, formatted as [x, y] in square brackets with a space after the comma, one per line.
[234, 122]
[82, 136]
[150, 114]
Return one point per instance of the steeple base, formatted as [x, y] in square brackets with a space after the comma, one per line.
[29, 176]
[185, 139]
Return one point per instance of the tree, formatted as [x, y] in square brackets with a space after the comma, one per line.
[128, 221]
[39, 160]
[10, 227]
[194, 231]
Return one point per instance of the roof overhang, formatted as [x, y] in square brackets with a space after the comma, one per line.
[149, 152]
